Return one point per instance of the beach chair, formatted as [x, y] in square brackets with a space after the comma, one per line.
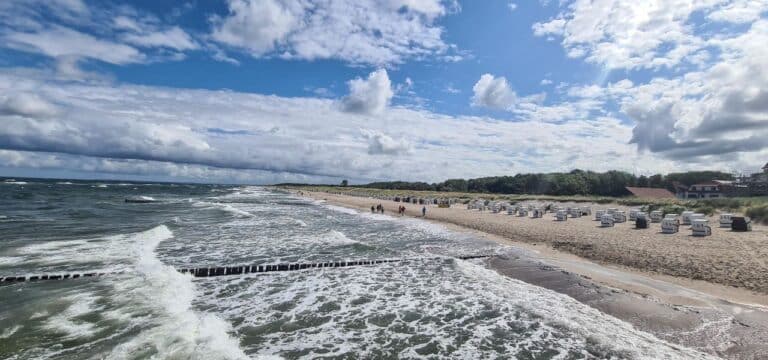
[537, 213]
[561, 215]
[697, 216]
[726, 220]
[612, 210]
[599, 215]
[512, 210]
[741, 223]
[619, 216]
[656, 216]
[671, 216]
[670, 225]
[685, 217]
[575, 212]
[606, 220]
[700, 227]
[522, 212]
[641, 221]
[633, 214]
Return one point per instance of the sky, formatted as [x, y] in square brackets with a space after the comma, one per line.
[268, 91]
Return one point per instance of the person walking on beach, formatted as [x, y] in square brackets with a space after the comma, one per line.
[381, 208]
[424, 211]
[373, 211]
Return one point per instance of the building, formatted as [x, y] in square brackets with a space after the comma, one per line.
[733, 188]
[650, 193]
[706, 190]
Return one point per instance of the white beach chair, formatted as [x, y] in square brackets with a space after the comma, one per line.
[619, 216]
[599, 215]
[700, 227]
[537, 213]
[685, 217]
[561, 215]
[606, 220]
[612, 210]
[656, 216]
[697, 216]
[670, 225]
[575, 212]
[522, 212]
[726, 220]
[633, 214]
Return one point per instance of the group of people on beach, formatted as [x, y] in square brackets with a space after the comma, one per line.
[400, 210]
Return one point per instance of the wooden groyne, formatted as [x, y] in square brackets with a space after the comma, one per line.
[212, 271]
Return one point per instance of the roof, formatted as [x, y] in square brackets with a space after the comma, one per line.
[653, 193]
[708, 183]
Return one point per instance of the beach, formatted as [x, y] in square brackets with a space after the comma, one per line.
[429, 304]
[708, 293]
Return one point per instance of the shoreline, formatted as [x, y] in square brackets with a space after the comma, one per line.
[573, 260]
[683, 311]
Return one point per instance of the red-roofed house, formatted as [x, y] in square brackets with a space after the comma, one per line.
[650, 193]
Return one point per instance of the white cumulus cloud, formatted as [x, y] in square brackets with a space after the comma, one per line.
[359, 31]
[369, 96]
[493, 92]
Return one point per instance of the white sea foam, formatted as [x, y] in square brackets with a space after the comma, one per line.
[392, 310]
[68, 323]
[9, 331]
[181, 332]
[337, 238]
[14, 182]
[340, 209]
[38, 315]
[109, 250]
[11, 260]
[223, 206]
[377, 217]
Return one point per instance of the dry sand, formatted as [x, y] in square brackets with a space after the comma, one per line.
[654, 281]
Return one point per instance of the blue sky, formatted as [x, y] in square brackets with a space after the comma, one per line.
[263, 91]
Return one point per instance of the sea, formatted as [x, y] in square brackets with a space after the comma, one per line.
[430, 306]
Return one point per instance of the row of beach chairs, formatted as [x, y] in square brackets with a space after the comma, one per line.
[670, 223]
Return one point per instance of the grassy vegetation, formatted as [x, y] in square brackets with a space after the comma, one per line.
[754, 207]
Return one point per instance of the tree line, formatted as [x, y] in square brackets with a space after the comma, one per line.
[576, 182]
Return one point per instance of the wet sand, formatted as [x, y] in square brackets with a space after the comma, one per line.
[715, 318]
